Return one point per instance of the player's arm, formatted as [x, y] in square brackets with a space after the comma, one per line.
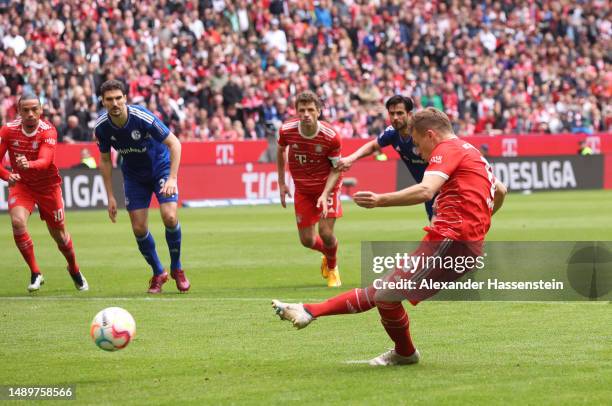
[174, 145]
[5, 175]
[283, 189]
[416, 194]
[365, 150]
[332, 180]
[106, 169]
[500, 195]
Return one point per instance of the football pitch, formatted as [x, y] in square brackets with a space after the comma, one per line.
[222, 344]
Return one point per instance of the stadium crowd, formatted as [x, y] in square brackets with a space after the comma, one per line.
[222, 70]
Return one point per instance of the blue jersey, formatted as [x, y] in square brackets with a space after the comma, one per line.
[140, 143]
[407, 151]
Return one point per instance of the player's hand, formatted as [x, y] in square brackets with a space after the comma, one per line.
[169, 189]
[322, 204]
[22, 162]
[344, 164]
[13, 178]
[112, 209]
[368, 200]
[284, 192]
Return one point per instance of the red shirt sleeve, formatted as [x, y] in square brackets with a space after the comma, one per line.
[46, 152]
[335, 151]
[281, 138]
[443, 161]
[4, 174]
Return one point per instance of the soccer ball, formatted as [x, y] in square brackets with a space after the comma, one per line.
[113, 328]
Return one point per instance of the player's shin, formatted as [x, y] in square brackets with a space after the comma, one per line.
[394, 319]
[146, 245]
[26, 247]
[353, 301]
[67, 249]
[173, 238]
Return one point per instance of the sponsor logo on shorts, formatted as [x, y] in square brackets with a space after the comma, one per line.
[136, 135]
[13, 200]
[298, 219]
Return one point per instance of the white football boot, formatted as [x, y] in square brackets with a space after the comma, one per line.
[293, 312]
[36, 280]
[393, 358]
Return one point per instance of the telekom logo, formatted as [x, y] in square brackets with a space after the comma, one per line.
[225, 154]
[509, 147]
[594, 142]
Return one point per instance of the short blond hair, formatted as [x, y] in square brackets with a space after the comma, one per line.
[430, 119]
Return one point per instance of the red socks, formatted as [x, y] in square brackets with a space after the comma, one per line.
[395, 321]
[393, 316]
[68, 252]
[353, 301]
[26, 247]
[330, 253]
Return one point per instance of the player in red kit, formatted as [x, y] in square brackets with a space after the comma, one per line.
[313, 148]
[468, 196]
[35, 180]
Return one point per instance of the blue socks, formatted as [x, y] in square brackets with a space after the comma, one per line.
[173, 238]
[146, 245]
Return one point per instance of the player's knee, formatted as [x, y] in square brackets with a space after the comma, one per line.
[18, 223]
[170, 220]
[328, 237]
[140, 230]
[307, 240]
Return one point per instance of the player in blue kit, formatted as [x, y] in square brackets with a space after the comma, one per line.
[150, 160]
[400, 111]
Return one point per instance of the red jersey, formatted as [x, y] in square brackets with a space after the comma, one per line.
[38, 148]
[464, 204]
[310, 158]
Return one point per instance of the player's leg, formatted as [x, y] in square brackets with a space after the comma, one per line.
[353, 301]
[51, 207]
[146, 244]
[307, 216]
[64, 243]
[137, 201]
[329, 267]
[169, 216]
[21, 204]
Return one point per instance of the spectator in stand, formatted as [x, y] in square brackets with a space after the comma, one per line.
[505, 66]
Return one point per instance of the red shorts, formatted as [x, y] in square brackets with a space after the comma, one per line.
[454, 260]
[50, 202]
[308, 214]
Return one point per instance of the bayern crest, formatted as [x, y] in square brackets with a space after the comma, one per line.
[136, 135]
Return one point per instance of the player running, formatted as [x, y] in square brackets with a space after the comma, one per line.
[313, 149]
[151, 156]
[35, 180]
[397, 135]
[468, 196]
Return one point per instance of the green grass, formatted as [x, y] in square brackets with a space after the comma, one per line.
[222, 344]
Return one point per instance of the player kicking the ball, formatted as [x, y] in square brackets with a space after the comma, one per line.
[468, 196]
[151, 156]
[313, 150]
[35, 180]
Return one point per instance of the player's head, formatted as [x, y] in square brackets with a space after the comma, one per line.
[400, 109]
[30, 110]
[114, 97]
[428, 128]
[308, 107]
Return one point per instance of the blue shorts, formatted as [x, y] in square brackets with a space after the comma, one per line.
[138, 193]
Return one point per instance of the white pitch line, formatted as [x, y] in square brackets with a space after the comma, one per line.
[357, 361]
[145, 299]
